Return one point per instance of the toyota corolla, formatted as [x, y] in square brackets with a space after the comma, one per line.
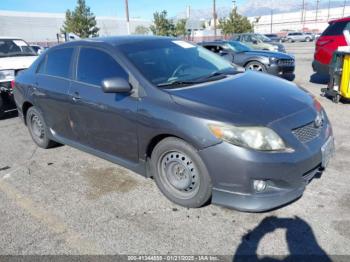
[206, 131]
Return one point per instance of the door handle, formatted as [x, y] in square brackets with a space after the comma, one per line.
[76, 97]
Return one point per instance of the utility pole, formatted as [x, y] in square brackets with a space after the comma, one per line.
[344, 8]
[317, 5]
[329, 9]
[214, 16]
[127, 16]
[271, 21]
[302, 11]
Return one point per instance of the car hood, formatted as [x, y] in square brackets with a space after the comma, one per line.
[249, 98]
[16, 62]
[278, 55]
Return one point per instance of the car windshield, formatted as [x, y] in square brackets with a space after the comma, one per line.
[238, 47]
[165, 62]
[262, 38]
[15, 47]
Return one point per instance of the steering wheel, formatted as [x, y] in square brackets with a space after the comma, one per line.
[179, 69]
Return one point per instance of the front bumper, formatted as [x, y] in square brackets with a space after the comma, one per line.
[233, 170]
[275, 69]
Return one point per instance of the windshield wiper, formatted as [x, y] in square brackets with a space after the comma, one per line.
[177, 83]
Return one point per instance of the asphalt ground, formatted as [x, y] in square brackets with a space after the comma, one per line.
[64, 201]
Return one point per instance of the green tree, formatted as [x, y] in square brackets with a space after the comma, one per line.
[235, 23]
[162, 25]
[180, 27]
[141, 30]
[81, 21]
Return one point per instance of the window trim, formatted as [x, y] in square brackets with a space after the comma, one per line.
[41, 63]
[76, 64]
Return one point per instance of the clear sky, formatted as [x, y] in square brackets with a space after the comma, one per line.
[138, 8]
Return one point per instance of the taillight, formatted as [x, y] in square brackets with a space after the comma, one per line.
[13, 84]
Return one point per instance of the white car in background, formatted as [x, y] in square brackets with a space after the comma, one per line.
[15, 55]
[38, 49]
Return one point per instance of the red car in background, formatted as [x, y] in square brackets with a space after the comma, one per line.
[328, 42]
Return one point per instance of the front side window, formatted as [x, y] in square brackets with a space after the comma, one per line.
[166, 61]
[95, 65]
[237, 47]
[58, 62]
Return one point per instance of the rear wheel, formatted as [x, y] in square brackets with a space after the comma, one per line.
[308, 39]
[38, 129]
[256, 66]
[180, 173]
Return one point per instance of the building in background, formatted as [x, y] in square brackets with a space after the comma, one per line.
[43, 27]
[298, 21]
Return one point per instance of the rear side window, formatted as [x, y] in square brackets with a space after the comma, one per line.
[58, 62]
[41, 67]
[336, 28]
[95, 65]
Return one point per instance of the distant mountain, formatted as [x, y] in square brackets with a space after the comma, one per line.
[259, 8]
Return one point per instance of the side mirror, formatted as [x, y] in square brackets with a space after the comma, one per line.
[255, 42]
[223, 53]
[116, 85]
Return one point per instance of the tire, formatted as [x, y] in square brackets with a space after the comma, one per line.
[256, 66]
[308, 39]
[336, 99]
[290, 40]
[38, 129]
[2, 110]
[180, 173]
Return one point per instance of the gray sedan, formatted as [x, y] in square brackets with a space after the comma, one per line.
[180, 114]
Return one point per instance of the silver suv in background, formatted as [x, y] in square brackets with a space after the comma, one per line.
[299, 37]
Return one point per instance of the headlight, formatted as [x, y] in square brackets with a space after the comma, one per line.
[273, 60]
[258, 138]
[7, 75]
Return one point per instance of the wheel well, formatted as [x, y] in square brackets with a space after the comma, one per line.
[251, 61]
[154, 141]
[25, 108]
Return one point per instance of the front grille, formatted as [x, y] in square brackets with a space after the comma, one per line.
[307, 133]
[286, 62]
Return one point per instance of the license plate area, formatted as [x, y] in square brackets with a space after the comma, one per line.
[327, 151]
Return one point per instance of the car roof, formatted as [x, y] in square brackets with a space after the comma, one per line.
[10, 37]
[340, 20]
[117, 40]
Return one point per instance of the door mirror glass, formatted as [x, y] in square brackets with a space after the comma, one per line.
[116, 85]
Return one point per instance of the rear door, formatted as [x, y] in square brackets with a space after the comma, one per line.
[103, 121]
[329, 41]
[51, 90]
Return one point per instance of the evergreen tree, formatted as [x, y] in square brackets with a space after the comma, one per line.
[81, 21]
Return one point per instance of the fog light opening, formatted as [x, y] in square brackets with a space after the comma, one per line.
[259, 185]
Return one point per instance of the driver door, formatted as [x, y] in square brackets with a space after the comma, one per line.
[103, 121]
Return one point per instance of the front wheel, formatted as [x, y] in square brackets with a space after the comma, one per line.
[180, 173]
[2, 110]
[256, 66]
[38, 129]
